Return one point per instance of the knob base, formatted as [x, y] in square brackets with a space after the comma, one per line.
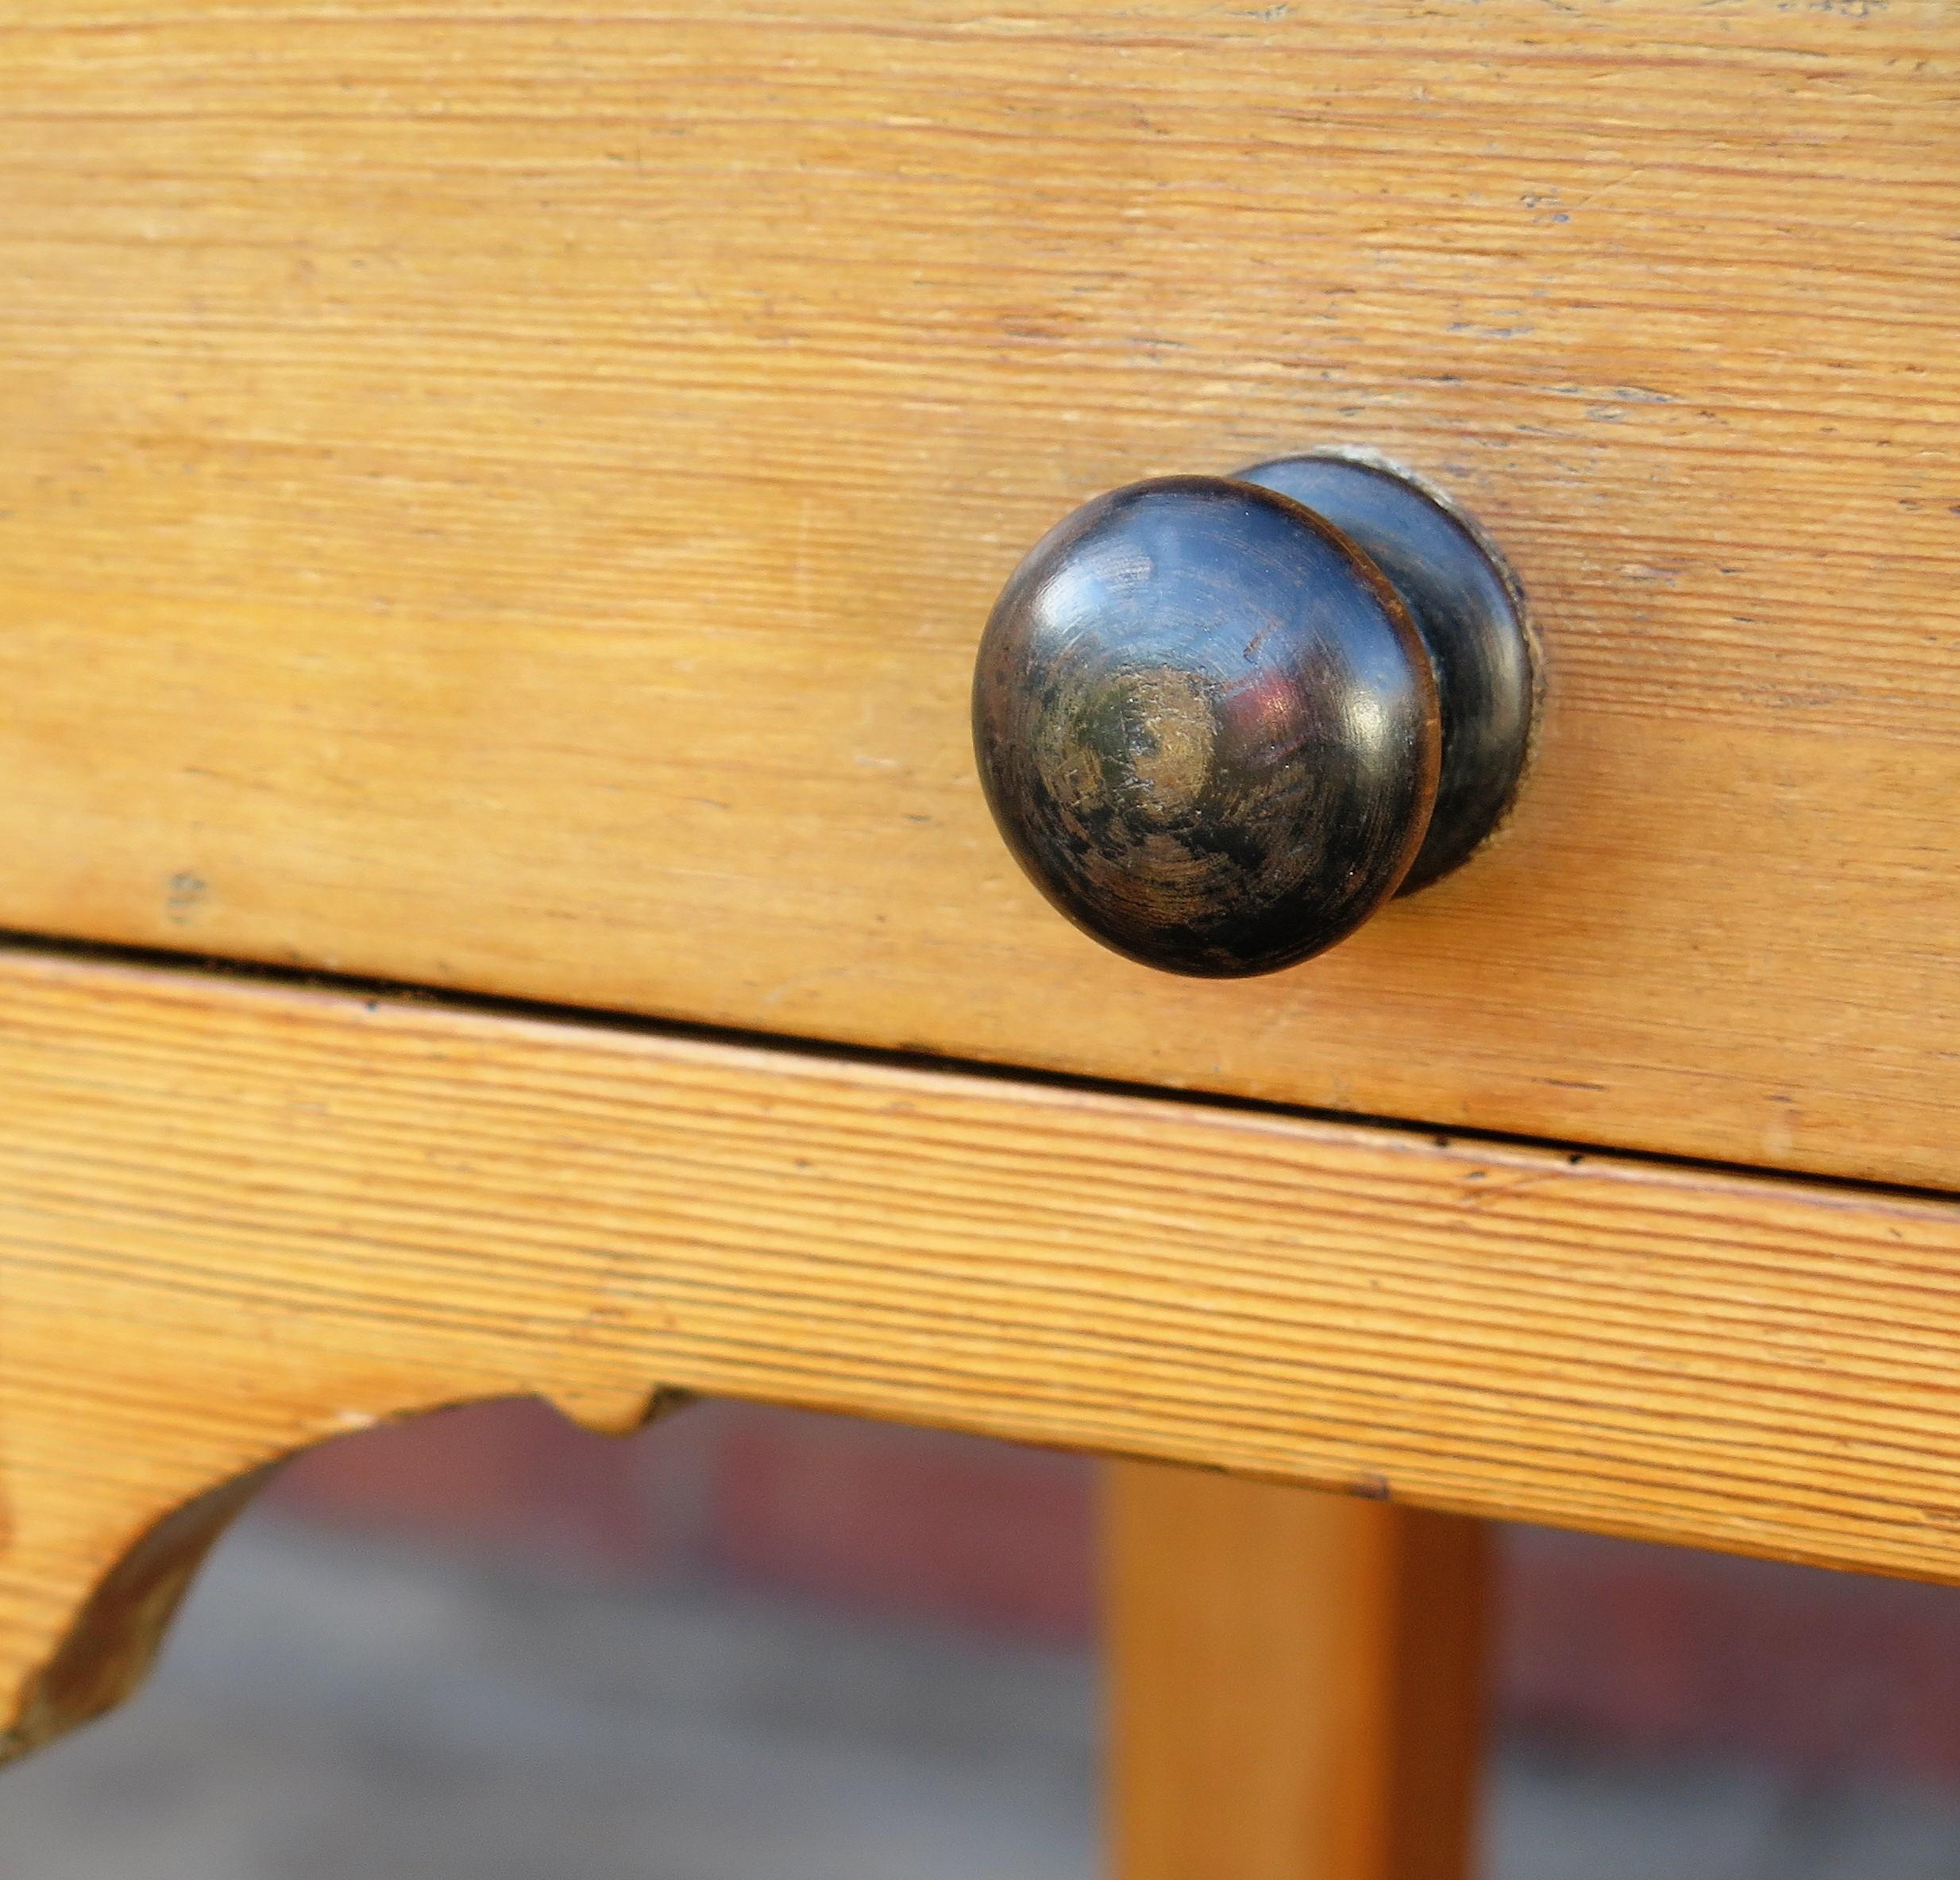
[1467, 607]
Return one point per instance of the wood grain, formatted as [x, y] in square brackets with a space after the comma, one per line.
[506, 497]
[236, 1219]
[1296, 1682]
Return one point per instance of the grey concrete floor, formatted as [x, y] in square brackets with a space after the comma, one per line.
[333, 1710]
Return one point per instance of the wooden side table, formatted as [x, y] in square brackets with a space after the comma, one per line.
[497, 510]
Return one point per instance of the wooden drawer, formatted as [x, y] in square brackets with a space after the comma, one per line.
[507, 498]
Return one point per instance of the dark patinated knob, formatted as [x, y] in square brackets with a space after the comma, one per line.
[1222, 721]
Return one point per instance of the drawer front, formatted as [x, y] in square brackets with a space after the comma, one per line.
[509, 499]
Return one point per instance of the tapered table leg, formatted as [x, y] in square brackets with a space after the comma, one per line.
[1296, 1681]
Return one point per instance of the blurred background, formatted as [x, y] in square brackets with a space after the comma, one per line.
[752, 1644]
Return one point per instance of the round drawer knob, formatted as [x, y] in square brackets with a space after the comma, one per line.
[1220, 720]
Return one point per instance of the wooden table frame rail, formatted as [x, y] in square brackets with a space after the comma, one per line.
[238, 1216]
